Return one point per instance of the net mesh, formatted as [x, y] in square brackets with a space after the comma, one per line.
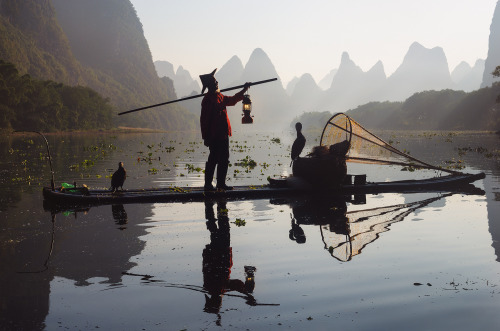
[365, 226]
[364, 146]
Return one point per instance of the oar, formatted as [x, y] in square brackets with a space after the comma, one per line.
[197, 96]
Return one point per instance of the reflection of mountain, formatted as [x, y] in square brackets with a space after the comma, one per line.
[77, 248]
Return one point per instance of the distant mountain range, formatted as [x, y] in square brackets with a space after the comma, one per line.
[101, 44]
[341, 89]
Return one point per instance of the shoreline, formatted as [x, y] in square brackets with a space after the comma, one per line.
[130, 130]
[119, 130]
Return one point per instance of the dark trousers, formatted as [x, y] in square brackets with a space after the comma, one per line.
[218, 156]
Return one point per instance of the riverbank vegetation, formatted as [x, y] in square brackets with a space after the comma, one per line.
[43, 105]
[427, 110]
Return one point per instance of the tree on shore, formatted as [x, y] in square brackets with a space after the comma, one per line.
[496, 73]
[36, 105]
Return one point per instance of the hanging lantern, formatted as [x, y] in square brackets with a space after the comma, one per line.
[247, 108]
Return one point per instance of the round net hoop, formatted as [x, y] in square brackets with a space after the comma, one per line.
[366, 147]
[337, 129]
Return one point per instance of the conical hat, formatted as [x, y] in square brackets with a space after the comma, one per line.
[207, 79]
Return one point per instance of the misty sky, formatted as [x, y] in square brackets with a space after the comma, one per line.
[309, 36]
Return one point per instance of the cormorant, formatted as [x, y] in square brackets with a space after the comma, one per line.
[299, 143]
[118, 177]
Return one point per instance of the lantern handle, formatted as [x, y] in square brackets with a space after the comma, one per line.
[199, 95]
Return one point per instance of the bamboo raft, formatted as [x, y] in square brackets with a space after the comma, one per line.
[278, 188]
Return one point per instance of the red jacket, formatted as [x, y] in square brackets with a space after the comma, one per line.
[214, 122]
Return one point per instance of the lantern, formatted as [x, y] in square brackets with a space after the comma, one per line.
[247, 108]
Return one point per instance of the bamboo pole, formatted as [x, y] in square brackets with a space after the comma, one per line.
[197, 96]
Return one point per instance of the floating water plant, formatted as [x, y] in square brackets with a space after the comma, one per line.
[240, 222]
[87, 163]
[191, 168]
[153, 171]
[247, 162]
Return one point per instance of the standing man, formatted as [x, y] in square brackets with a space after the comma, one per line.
[216, 129]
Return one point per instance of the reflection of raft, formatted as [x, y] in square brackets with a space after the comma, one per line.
[278, 188]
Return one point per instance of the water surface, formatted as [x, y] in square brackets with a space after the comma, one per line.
[387, 261]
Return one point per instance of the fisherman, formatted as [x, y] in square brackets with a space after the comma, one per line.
[216, 129]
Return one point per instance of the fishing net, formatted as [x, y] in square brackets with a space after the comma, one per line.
[364, 227]
[364, 146]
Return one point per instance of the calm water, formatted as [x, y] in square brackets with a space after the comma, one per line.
[375, 262]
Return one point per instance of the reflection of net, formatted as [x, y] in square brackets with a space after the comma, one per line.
[365, 147]
[365, 226]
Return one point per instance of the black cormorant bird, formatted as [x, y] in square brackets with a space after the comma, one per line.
[118, 178]
[299, 143]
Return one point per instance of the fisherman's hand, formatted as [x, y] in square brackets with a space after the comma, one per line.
[246, 86]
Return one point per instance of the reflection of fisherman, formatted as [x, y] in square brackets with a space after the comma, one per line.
[218, 260]
[216, 128]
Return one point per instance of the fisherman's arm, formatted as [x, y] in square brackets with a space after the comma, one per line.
[232, 100]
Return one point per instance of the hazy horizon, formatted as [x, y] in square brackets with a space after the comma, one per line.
[310, 38]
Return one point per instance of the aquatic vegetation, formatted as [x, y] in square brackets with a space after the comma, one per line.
[177, 189]
[153, 171]
[87, 163]
[240, 148]
[191, 168]
[276, 140]
[240, 222]
[452, 164]
[247, 162]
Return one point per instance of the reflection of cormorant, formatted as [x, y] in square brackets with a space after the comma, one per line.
[299, 143]
[218, 260]
[296, 233]
[118, 178]
[120, 215]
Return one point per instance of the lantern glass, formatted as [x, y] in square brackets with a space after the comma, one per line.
[247, 103]
[247, 108]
